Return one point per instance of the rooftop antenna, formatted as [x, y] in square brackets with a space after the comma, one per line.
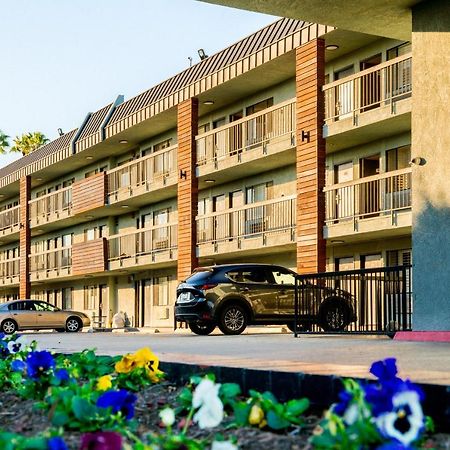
[190, 61]
[202, 54]
[60, 131]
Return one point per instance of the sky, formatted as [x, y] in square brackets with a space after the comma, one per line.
[61, 59]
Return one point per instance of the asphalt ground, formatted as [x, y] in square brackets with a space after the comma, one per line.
[348, 356]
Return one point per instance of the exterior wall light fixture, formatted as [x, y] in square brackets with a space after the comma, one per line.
[202, 54]
[418, 161]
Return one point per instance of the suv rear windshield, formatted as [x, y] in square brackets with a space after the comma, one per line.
[199, 277]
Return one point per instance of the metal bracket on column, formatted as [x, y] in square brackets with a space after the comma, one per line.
[305, 136]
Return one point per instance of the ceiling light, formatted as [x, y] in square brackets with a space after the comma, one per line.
[38, 179]
[125, 206]
[332, 47]
[208, 102]
[89, 157]
[210, 181]
[2, 195]
[89, 217]
[39, 231]
[123, 141]
[338, 241]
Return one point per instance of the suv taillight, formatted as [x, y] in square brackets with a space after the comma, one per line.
[205, 287]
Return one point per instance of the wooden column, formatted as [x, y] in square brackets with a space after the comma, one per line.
[25, 237]
[310, 73]
[187, 187]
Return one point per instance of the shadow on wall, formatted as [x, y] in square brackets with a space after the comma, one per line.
[431, 268]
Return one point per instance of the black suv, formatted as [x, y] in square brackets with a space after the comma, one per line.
[236, 295]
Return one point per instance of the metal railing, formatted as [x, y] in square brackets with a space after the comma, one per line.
[141, 172]
[375, 300]
[56, 259]
[263, 218]
[378, 86]
[43, 208]
[247, 133]
[9, 218]
[145, 241]
[368, 197]
[9, 268]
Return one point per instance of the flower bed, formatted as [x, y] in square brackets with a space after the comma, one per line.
[90, 402]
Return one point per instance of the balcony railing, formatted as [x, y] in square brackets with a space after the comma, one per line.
[247, 133]
[378, 86]
[51, 260]
[147, 241]
[51, 206]
[263, 218]
[368, 197]
[9, 269]
[138, 176]
[9, 219]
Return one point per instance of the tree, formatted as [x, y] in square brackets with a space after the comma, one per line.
[28, 142]
[4, 142]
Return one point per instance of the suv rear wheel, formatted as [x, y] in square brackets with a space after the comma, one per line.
[232, 319]
[202, 328]
[334, 315]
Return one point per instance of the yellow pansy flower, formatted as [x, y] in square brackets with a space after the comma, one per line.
[126, 364]
[104, 383]
[256, 416]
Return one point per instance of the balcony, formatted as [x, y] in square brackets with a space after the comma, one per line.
[377, 96]
[266, 134]
[51, 207]
[54, 263]
[9, 272]
[377, 204]
[9, 221]
[148, 174]
[259, 226]
[148, 246]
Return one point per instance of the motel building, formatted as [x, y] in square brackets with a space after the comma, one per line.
[292, 146]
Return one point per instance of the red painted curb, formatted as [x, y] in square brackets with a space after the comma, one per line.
[423, 336]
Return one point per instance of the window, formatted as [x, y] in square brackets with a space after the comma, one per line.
[256, 275]
[283, 276]
[38, 306]
[203, 128]
[67, 296]
[219, 122]
[400, 50]
[258, 193]
[236, 116]
[161, 234]
[161, 291]
[398, 158]
[22, 306]
[260, 106]
[96, 171]
[90, 297]
[162, 145]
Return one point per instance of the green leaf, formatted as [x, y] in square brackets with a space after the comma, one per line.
[229, 390]
[275, 421]
[82, 409]
[241, 412]
[60, 419]
[297, 407]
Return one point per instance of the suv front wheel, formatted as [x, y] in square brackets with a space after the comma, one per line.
[232, 319]
[202, 328]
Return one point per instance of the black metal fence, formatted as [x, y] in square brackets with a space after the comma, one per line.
[354, 301]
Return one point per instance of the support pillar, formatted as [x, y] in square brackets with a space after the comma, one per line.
[430, 179]
[24, 237]
[310, 164]
[187, 187]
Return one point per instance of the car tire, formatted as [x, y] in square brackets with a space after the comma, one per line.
[233, 319]
[9, 326]
[334, 315]
[202, 328]
[301, 327]
[73, 325]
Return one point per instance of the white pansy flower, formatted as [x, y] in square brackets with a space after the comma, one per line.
[223, 445]
[405, 422]
[167, 416]
[18, 345]
[206, 398]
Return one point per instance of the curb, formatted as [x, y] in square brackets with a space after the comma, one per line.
[423, 336]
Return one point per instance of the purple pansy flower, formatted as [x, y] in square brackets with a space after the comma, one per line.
[101, 440]
[18, 365]
[39, 363]
[56, 443]
[122, 401]
[62, 375]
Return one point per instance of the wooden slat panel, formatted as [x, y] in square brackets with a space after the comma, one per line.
[89, 257]
[89, 193]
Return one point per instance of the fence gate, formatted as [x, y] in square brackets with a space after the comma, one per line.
[369, 301]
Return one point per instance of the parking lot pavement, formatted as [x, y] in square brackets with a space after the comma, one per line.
[425, 362]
